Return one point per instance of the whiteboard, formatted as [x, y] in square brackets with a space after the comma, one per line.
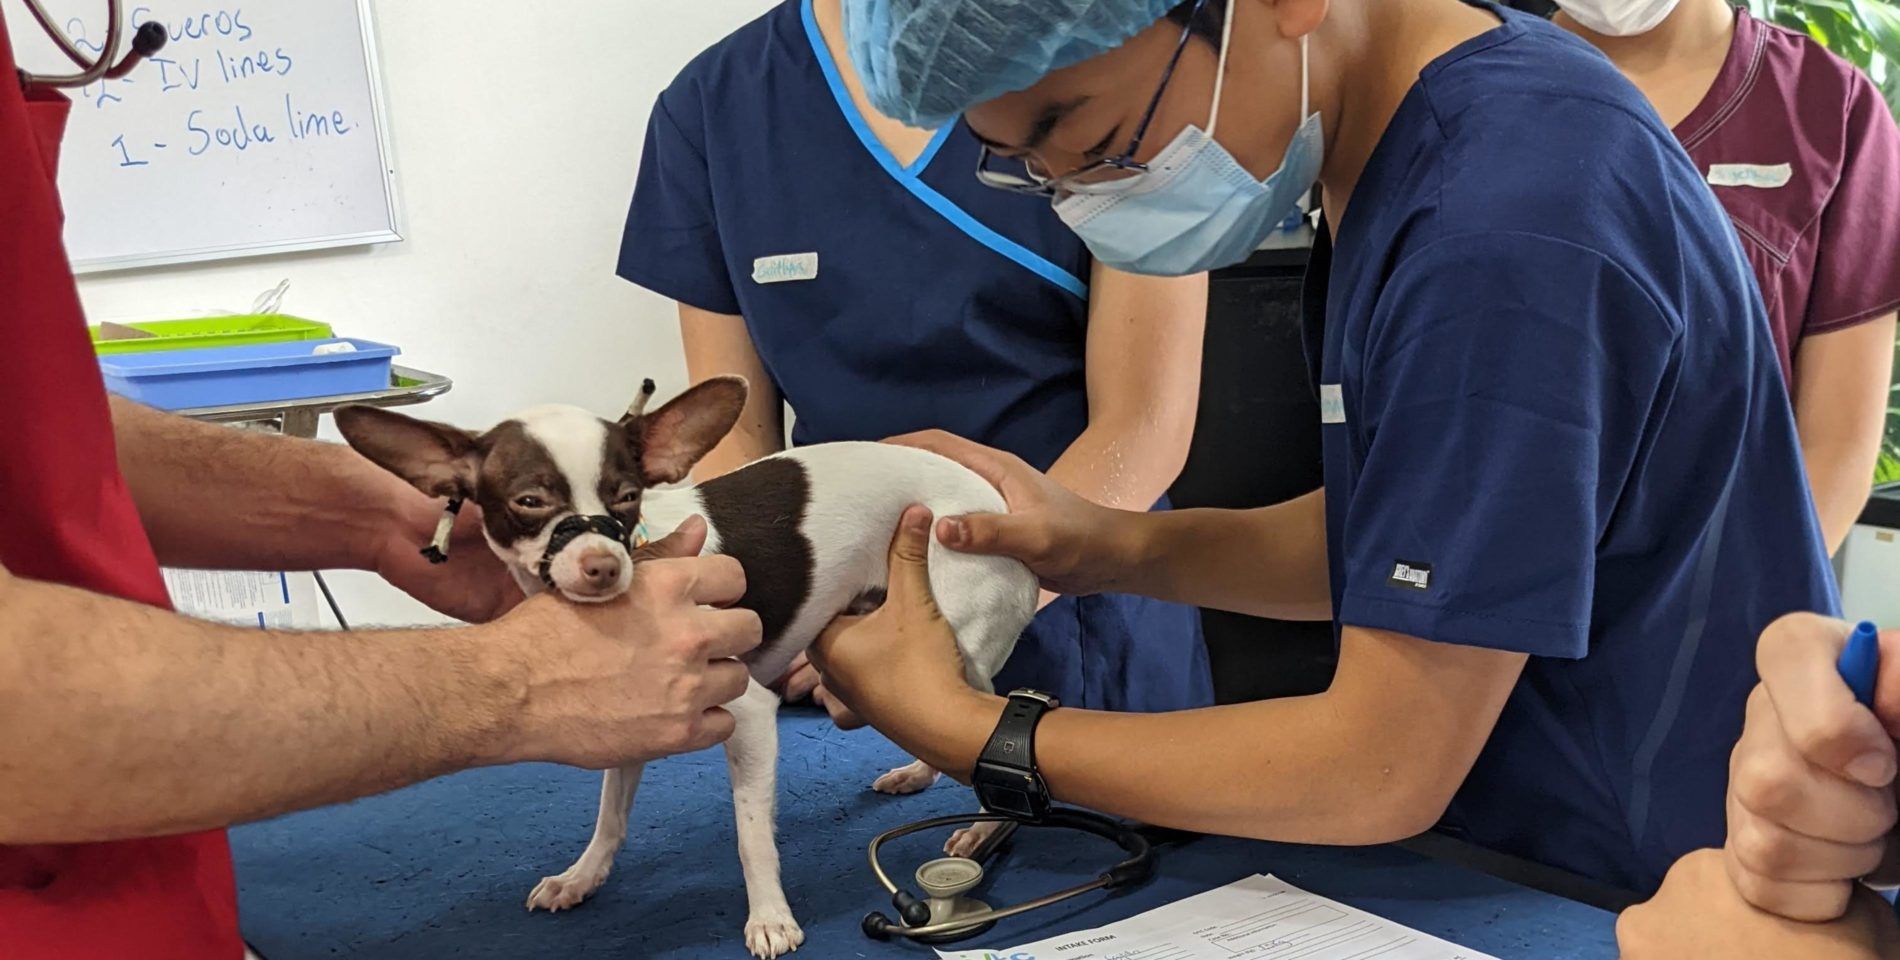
[260, 128]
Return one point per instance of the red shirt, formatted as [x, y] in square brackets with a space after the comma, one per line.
[68, 518]
[1803, 153]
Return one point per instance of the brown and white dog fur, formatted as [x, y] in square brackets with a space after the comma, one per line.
[811, 527]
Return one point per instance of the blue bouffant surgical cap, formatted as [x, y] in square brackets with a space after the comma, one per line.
[923, 62]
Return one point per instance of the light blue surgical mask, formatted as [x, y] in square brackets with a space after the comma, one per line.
[1196, 208]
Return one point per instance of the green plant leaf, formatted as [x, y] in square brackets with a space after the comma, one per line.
[1882, 23]
[1849, 39]
[1889, 469]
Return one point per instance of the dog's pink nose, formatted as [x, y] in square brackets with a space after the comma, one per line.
[601, 570]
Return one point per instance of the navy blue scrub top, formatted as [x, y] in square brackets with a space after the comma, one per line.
[1556, 425]
[885, 299]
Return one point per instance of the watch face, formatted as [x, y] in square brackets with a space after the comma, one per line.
[1012, 802]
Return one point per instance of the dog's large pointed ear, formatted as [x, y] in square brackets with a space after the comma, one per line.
[674, 437]
[437, 459]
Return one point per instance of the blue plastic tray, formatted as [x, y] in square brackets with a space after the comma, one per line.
[260, 373]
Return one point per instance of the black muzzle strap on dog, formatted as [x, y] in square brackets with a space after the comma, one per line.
[438, 549]
[572, 527]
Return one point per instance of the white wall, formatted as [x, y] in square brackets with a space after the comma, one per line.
[517, 131]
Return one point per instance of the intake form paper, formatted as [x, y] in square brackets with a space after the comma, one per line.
[1259, 918]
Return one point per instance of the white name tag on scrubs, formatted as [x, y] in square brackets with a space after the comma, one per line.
[1332, 403]
[785, 268]
[1763, 176]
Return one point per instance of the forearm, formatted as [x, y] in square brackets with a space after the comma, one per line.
[1210, 771]
[123, 720]
[1842, 480]
[719, 344]
[754, 437]
[1096, 468]
[1267, 562]
[216, 497]
[1375, 758]
[1144, 380]
[1841, 396]
[1127, 467]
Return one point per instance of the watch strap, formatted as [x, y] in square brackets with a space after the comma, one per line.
[1006, 778]
[1013, 743]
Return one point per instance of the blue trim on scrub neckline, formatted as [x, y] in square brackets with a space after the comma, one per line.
[930, 149]
[908, 178]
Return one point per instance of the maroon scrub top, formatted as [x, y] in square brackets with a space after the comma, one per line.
[66, 517]
[1803, 153]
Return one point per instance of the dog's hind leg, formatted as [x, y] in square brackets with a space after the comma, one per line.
[579, 882]
[752, 760]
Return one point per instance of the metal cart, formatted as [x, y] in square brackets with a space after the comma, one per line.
[298, 418]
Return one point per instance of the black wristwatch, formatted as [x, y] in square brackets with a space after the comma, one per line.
[1006, 778]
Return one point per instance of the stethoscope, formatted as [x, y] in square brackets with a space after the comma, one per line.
[945, 915]
[147, 41]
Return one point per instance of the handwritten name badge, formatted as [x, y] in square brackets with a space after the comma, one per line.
[1757, 175]
[785, 268]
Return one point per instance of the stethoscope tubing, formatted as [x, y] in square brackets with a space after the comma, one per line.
[150, 39]
[1138, 865]
[90, 70]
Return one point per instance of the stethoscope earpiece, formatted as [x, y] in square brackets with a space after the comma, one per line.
[149, 39]
[877, 926]
[915, 912]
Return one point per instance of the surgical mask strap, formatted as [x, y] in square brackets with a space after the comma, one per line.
[1306, 86]
[1220, 67]
[1220, 73]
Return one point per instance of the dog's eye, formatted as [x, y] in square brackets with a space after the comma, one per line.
[530, 502]
[628, 499]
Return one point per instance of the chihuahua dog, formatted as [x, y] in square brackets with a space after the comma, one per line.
[565, 496]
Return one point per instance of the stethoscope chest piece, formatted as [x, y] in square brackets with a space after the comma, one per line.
[945, 915]
[944, 882]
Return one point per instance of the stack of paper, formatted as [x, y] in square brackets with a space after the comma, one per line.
[1259, 918]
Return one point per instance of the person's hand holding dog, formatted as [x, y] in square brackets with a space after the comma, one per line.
[643, 676]
[473, 586]
[898, 668]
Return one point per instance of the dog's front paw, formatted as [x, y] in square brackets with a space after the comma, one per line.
[909, 778]
[964, 842]
[772, 933]
[567, 890]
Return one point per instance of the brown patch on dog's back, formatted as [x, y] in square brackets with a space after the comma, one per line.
[759, 512]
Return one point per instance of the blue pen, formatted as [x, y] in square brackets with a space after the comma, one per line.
[1860, 662]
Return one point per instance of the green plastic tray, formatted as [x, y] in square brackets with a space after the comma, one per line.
[230, 331]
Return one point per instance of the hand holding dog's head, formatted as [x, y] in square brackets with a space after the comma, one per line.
[548, 464]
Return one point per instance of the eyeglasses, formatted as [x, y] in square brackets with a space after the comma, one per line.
[1038, 182]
